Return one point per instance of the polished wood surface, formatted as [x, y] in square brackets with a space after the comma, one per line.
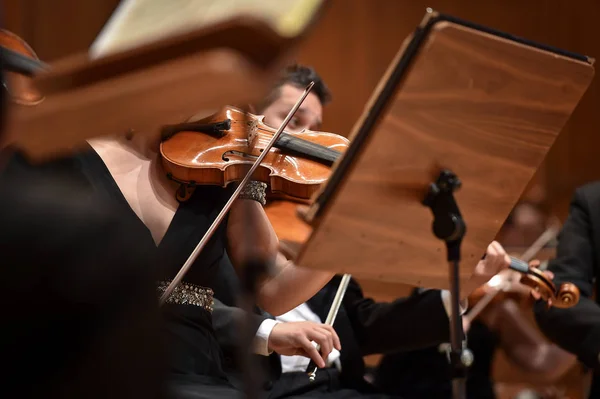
[287, 225]
[231, 61]
[221, 158]
[472, 102]
[83, 113]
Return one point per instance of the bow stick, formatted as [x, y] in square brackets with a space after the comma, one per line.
[311, 370]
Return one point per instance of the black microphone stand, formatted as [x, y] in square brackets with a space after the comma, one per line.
[449, 226]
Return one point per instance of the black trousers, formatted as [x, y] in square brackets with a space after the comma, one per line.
[289, 386]
[326, 385]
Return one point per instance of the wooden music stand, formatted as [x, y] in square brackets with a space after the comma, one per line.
[479, 104]
[163, 81]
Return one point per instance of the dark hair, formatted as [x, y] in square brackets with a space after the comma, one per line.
[299, 76]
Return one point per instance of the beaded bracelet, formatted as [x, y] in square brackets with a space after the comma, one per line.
[255, 190]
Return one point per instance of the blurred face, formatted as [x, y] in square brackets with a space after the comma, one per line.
[309, 115]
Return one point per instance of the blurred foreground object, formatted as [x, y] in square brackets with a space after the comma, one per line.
[143, 81]
[80, 312]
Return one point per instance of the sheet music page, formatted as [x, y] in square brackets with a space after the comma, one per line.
[137, 22]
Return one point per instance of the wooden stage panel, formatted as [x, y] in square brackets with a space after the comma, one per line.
[484, 106]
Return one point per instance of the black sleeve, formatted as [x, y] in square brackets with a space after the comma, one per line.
[576, 329]
[410, 323]
[227, 321]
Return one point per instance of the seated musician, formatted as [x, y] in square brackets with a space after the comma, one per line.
[425, 373]
[363, 326]
[577, 329]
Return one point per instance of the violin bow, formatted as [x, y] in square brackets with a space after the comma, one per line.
[311, 369]
[219, 219]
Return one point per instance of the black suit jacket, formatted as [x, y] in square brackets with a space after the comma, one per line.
[363, 325]
[577, 329]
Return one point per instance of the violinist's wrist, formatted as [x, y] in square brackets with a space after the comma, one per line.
[254, 190]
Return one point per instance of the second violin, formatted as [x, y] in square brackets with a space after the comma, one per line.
[220, 149]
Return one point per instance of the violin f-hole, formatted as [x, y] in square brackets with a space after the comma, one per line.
[241, 154]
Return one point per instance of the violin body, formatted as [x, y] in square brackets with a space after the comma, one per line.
[19, 87]
[220, 149]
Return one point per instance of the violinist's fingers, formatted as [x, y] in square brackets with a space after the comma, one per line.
[496, 258]
[535, 263]
[491, 250]
[504, 259]
[311, 352]
[323, 339]
[335, 338]
[549, 274]
[536, 295]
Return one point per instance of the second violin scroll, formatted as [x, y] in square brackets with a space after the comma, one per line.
[220, 149]
[566, 296]
[18, 84]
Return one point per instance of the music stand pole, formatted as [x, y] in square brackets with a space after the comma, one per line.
[449, 226]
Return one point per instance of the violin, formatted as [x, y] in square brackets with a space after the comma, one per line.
[501, 287]
[18, 85]
[290, 230]
[219, 149]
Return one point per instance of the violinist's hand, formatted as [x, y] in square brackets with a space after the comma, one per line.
[536, 263]
[495, 261]
[294, 338]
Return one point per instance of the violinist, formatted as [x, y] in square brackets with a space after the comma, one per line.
[502, 325]
[577, 329]
[363, 325]
[79, 310]
[124, 172]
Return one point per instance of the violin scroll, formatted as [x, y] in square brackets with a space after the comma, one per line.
[565, 297]
[20, 87]
[568, 295]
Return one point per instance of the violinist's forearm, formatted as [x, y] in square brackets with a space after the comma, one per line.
[291, 286]
[252, 237]
[250, 234]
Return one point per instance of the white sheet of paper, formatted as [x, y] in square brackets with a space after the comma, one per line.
[137, 22]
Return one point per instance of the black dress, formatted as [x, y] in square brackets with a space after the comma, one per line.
[195, 358]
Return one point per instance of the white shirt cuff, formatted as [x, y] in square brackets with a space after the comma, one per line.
[261, 339]
[464, 304]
